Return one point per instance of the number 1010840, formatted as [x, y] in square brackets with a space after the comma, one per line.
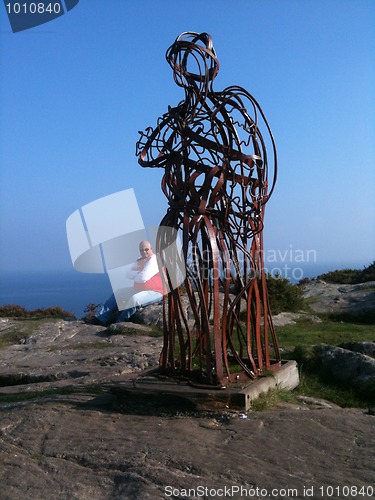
[34, 8]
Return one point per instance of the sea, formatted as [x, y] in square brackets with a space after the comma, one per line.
[69, 289]
[74, 291]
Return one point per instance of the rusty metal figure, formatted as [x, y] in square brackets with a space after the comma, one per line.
[217, 181]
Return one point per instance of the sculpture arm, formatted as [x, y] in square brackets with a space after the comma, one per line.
[156, 147]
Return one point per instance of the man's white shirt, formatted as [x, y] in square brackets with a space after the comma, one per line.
[150, 269]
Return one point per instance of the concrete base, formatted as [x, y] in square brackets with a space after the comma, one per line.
[236, 396]
[286, 378]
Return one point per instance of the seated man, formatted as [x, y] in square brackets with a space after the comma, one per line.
[148, 288]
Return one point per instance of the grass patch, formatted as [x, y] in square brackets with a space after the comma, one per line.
[306, 333]
[155, 331]
[10, 338]
[317, 386]
[362, 317]
[299, 340]
[273, 398]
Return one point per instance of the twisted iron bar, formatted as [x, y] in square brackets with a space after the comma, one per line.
[217, 180]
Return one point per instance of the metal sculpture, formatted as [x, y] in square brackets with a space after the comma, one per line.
[217, 181]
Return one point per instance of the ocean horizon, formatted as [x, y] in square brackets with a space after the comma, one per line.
[74, 291]
[69, 289]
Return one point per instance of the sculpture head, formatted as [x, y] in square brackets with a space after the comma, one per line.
[193, 60]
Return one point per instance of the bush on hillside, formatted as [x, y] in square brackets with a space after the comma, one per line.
[15, 311]
[350, 276]
[283, 296]
[368, 273]
[12, 311]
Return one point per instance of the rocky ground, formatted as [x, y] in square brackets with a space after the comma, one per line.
[85, 448]
[333, 299]
[66, 433]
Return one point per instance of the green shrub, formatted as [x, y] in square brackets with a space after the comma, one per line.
[368, 273]
[53, 312]
[90, 311]
[350, 276]
[283, 296]
[15, 311]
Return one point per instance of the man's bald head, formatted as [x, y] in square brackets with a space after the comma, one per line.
[145, 249]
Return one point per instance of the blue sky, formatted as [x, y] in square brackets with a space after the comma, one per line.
[75, 91]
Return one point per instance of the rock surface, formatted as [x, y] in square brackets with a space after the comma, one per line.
[65, 435]
[59, 352]
[332, 298]
[291, 318]
[349, 367]
[88, 448]
[367, 348]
